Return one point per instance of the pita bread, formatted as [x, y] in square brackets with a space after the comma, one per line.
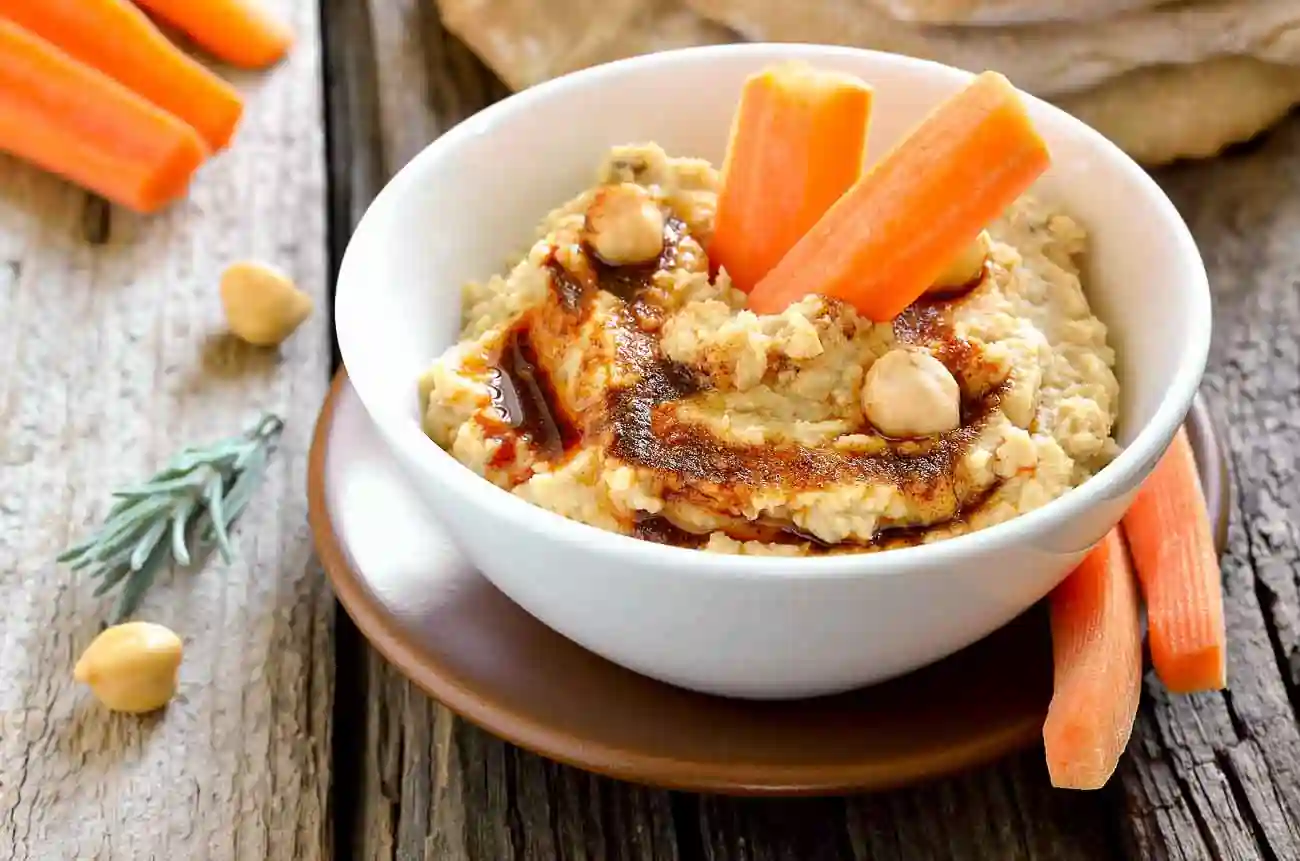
[528, 41]
[1161, 114]
[1156, 114]
[1046, 59]
[1001, 12]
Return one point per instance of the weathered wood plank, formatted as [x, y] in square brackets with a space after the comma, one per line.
[108, 339]
[1207, 777]
[430, 785]
[1219, 775]
[1005, 812]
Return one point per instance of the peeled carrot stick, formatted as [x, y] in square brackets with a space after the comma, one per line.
[1097, 654]
[1173, 551]
[119, 40]
[887, 239]
[239, 32]
[77, 122]
[796, 145]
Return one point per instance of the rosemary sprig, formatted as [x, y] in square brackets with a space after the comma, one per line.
[199, 493]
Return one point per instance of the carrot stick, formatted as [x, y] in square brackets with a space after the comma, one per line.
[1173, 551]
[1097, 654]
[239, 32]
[796, 145]
[75, 121]
[119, 40]
[887, 239]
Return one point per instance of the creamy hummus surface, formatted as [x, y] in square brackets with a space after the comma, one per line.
[611, 377]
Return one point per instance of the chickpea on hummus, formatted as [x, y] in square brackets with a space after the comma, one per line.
[610, 376]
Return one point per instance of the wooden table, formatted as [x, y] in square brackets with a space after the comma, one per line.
[292, 740]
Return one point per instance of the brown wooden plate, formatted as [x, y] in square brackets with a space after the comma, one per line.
[467, 645]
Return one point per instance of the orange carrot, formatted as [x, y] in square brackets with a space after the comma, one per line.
[1097, 655]
[796, 145]
[119, 40]
[887, 239]
[75, 121]
[1173, 551]
[239, 32]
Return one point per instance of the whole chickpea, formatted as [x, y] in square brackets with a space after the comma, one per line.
[263, 306]
[909, 393]
[131, 667]
[624, 226]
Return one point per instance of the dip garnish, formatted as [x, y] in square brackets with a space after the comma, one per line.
[199, 493]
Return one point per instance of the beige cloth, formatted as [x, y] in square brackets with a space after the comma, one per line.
[1189, 100]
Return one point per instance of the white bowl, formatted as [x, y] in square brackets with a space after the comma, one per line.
[743, 626]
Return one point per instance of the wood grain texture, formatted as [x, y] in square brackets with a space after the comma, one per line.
[1213, 776]
[112, 357]
[430, 785]
[1218, 775]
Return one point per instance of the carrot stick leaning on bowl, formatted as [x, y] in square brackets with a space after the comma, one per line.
[1168, 529]
[797, 143]
[1097, 660]
[895, 231]
[1096, 643]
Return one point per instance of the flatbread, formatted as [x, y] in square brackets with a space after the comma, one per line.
[528, 41]
[1045, 59]
[1161, 114]
[977, 13]
[1156, 114]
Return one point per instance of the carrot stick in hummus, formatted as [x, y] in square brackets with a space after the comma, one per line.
[797, 144]
[917, 209]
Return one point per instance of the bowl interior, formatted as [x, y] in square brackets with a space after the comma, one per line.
[473, 198]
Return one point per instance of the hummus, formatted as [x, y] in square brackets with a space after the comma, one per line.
[611, 377]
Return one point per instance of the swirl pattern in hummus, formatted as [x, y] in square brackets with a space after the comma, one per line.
[647, 400]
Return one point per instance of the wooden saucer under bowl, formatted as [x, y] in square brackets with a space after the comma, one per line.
[467, 645]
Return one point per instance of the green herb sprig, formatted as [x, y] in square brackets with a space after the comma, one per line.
[200, 492]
